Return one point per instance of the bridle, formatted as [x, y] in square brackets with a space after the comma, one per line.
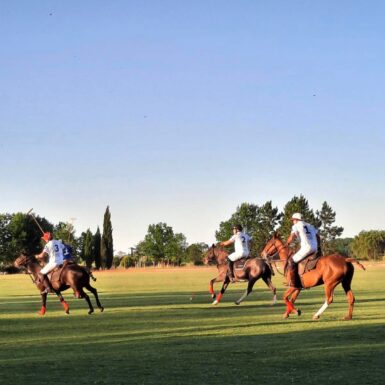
[25, 264]
[274, 250]
[266, 254]
[215, 258]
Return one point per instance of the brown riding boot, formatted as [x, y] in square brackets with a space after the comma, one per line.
[230, 271]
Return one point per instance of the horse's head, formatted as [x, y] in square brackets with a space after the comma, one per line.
[214, 254]
[272, 247]
[23, 260]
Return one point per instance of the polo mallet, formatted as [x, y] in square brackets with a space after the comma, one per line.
[33, 217]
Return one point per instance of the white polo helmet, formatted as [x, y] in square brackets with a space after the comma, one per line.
[297, 216]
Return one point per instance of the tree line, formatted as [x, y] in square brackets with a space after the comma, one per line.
[20, 234]
[162, 246]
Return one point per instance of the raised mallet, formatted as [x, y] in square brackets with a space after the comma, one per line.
[31, 214]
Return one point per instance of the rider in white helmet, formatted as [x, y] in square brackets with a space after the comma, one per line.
[308, 236]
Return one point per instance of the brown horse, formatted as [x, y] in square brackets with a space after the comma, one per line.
[69, 276]
[329, 271]
[253, 269]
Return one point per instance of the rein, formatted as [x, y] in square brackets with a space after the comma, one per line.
[270, 258]
[216, 257]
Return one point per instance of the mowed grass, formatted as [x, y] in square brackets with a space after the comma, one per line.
[159, 327]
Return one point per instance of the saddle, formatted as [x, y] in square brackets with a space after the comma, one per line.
[54, 276]
[240, 263]
[308, 263]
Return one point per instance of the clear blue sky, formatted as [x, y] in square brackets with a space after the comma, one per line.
[179, 111]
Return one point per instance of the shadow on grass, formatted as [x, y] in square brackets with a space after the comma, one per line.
[344, 355]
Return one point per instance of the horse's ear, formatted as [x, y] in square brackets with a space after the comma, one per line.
[276, 234]
[213, 245]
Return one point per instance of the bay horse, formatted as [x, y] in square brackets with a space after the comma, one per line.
[253, 269]
[70, 275]
[330, 271]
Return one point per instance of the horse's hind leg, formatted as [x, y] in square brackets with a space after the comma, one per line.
[63, 302]
[224, 287]
[83, 294]
[349, 295]
[329, 291]
[95, 293]
[268, 282]
[247, 291]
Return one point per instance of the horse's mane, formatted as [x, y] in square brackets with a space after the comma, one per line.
[24, 258]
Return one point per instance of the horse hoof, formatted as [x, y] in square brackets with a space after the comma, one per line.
[315, 317]
[215, 302]
[90, 312]
[347, 318]
[299, 312]
[285, 316]
[237, 303]
[102, 309]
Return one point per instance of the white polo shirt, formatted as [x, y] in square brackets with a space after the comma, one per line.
[241, 243]
[307, 233]
[55, 249]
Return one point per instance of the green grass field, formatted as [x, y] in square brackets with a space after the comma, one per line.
[152, 333]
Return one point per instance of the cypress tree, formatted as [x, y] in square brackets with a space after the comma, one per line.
[97, 243]
[88, 248]
[107, 250]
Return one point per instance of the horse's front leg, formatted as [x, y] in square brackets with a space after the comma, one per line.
[224, 287]
[211, 287]
[219, 278]
[247, 291]
[293, 293]
[43, 303]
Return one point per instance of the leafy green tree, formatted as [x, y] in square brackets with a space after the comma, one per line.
[5, 239]
[369, 245]
[64, 231]
[258, 222]
[342, 246]
[268, 218]
[300, 205]
[175, 250]
[107, 249]
[96, 248]
[246, 215]
[328, 233]
[162, 245]
[194, 253]
[25, 235]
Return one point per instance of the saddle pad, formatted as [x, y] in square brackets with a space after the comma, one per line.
[307, 264]
[240, 264]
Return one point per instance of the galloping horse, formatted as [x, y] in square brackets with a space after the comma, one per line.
[71, 275]
[330, 271]
[253, 269]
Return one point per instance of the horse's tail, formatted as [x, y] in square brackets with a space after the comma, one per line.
[356, 261]
[89, 272]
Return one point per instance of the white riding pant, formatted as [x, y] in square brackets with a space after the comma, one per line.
[48, 267]
[303, 252]
[237, 255]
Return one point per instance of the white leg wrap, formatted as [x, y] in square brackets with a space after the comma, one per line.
[322, 309]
